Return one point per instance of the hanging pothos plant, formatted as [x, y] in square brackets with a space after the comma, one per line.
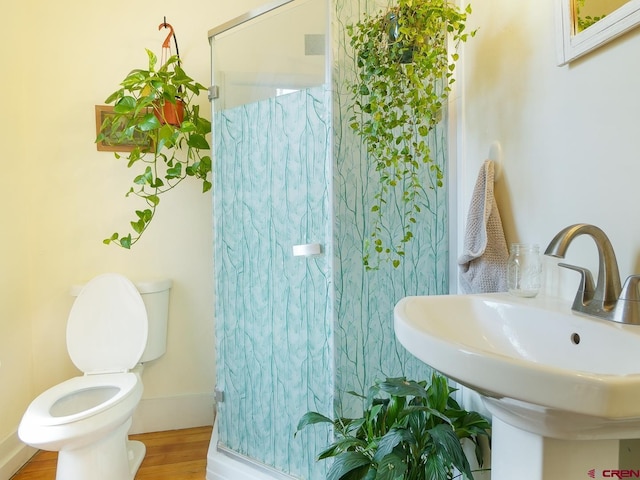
[405, 60]
[155, 109]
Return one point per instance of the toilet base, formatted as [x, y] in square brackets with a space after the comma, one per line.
[113, 457]
[136, 451]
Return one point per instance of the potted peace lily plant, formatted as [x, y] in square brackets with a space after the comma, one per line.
[408, 431]
[155, 109]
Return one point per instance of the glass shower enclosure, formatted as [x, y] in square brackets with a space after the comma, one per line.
[299, 320]
[271, 182]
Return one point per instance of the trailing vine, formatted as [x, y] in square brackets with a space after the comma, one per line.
[403, 79]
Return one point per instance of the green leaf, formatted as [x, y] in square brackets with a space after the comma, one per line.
[311, 418]
[154, 200]
[391, 440]
[470, 424]
[149, 122]
[152, 59]
[403, 387]
[438, 392]
[125, 242]
[198, 141]
[124, 105]
[348, 462]
[392, 467]
[188, 126]
[138, 226]
[448, 446]
[175, 171]
[144, 179]
[436, 468]
[342, 445]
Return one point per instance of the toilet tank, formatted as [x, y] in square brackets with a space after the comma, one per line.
[155, 295]
[156, 300]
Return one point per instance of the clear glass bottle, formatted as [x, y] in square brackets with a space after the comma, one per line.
[524, 270]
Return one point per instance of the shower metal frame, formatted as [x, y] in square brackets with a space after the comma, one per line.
[245, 17]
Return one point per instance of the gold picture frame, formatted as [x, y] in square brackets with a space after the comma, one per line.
[111, 143]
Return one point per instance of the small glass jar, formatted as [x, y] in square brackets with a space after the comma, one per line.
[524, 270]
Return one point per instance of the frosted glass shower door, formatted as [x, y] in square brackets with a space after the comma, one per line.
[272, 172]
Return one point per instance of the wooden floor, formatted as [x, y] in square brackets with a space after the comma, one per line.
[175, 455]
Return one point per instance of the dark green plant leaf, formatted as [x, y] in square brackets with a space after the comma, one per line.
[392, 467]
[403, 388]
[436, 468]
[430, 412]
[471, 424]
[438, 392]
[348, 462]
[391, 440]
[448, 447]
[198, 141]
[311, 418]
[344, 444]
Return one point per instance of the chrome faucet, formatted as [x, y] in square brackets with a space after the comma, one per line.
[607, 299]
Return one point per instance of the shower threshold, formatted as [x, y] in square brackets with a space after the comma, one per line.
[224, 464]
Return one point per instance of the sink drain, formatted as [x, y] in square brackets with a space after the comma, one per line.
[575, 338]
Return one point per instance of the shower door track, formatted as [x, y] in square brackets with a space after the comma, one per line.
[245, 17]
[249, 462]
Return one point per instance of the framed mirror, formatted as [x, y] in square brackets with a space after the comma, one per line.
[584, 25]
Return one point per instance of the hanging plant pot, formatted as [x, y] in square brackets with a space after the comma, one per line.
[398, 52]
[170, 113]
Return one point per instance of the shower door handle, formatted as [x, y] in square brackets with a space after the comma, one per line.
[307, 250]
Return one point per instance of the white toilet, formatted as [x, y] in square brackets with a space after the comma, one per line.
[86, 419]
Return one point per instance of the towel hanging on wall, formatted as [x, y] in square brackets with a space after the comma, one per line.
[483, 263]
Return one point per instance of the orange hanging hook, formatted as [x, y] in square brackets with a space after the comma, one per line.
[167, 41]
[166, 45]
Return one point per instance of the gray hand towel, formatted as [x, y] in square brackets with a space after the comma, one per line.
[483, 263]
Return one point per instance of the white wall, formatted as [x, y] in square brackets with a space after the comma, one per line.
[569, 134]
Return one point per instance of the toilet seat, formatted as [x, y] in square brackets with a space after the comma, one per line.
[107, 327]
[116, 386]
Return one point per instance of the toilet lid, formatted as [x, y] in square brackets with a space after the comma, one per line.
[107, 327]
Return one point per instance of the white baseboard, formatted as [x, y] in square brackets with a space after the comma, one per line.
[13, 455]
[173, 413]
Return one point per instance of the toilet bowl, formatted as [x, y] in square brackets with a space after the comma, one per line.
[86, 419]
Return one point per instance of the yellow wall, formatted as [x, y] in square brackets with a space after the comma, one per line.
[60, 196]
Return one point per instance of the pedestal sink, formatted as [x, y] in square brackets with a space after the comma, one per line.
[563, 388]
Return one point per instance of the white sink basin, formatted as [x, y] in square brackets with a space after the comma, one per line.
[539, 366]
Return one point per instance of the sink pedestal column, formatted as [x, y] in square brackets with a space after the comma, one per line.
[527, 456]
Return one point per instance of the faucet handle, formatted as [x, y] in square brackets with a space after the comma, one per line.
[628, 306]
[587, 288]
[630, 289]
